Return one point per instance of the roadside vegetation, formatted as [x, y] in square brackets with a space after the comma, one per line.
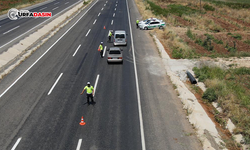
[8, 4]
[220, 28]
[230, 89]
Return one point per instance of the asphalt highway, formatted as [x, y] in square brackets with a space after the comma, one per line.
[136, 106]
[12, 30]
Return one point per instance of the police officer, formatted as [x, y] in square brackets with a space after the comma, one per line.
[137, 23]
[110, 34]
[90, 92]
[100, 48]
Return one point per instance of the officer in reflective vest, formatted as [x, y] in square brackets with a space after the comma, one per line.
[137, 23]
[100, 48]
[90, 92]
[110, 34]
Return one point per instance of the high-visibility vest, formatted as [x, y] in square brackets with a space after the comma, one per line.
[137, 21]
[110, 34]
[100, 48]
[89, 89]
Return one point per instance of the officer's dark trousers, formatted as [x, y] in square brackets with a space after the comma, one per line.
[90, 96]
[101, 53]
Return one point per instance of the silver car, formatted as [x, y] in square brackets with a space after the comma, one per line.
[120, 37]
[114, 55]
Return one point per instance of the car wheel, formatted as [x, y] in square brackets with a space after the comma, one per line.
[145, 28]
[108, 62]
[122, 62]
[161, 27]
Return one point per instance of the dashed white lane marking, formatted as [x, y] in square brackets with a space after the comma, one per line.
[66, 3]
[104, 4]
[113, 14]
[94, 22]
[11, 30]
[104, 51]
[55, 84]
[76, 50]
[115, 4]
[106, 1]
[112, 22]
[17, 142]
[116, 1]
[137, 84]
[96, 82]
[99, 14]
[56, 3]
[79, 144]
[43, 8]
[88, 32]
[102, 9]
[55, 8]
[46, 50]
[115, 9]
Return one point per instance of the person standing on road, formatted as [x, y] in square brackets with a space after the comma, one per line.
[110, 34]
[100, 49]
[137, 23]
[90, 92]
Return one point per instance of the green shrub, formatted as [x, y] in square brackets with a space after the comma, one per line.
[234, 5]
[218, 41]
[190, 34]
[247, 42]
[242, 71]
[198, 41]
[210, 95]
[208, 7]
[177, 53]
[237, 36]
[175, 9]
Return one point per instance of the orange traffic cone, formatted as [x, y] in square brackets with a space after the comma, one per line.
[82, 123]
[104, 27]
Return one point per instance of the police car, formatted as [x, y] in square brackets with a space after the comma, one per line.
[153, 24]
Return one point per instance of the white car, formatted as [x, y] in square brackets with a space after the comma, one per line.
[147, 20]
[153, 24]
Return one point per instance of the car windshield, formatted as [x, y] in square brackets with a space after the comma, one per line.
[119, 36]
[114, 52]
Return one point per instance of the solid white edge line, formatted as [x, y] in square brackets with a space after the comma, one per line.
[11, 30]
[137, 85]
[99, 14]
[96, 82]
[88, 32]
[16, 144]
[112, 22]
[55, 8]
[76, 50]
[43, 8]
[104, 51]
[46, 51]
[95, 21]
[79, 144]
[37, 26]
[55, 84]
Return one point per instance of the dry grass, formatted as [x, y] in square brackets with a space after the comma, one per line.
[23, 6]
